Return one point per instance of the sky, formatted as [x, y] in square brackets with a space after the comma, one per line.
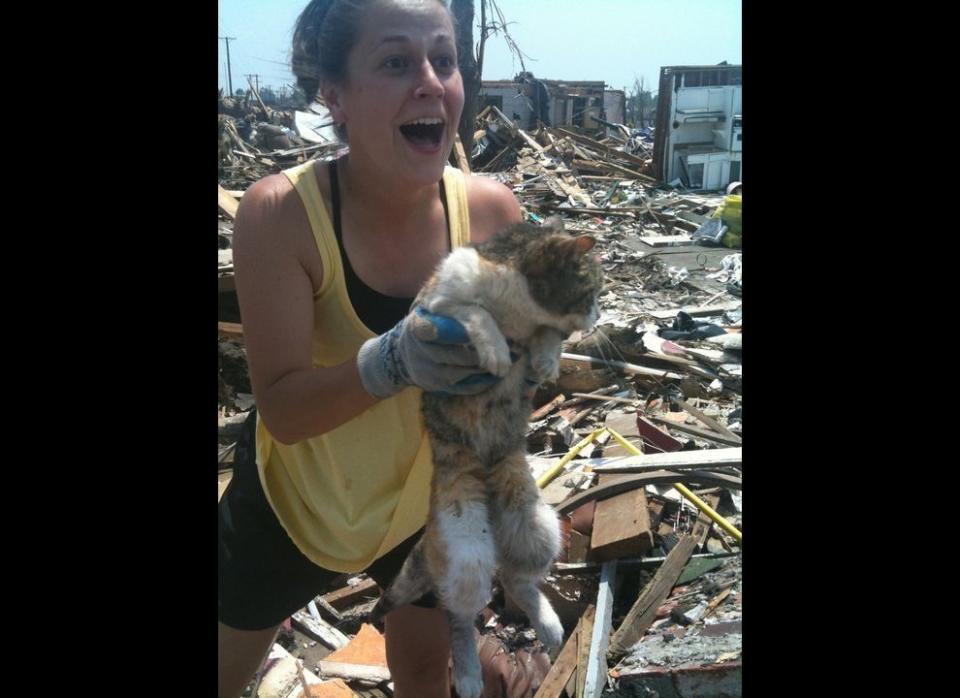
[611, 40]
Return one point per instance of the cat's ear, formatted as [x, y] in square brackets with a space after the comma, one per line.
[583, 244]
[554, 224]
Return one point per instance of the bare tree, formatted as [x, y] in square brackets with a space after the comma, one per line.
[471, 61]
[463, 12]
[640, 102]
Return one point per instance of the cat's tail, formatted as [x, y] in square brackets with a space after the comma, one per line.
[412, 582]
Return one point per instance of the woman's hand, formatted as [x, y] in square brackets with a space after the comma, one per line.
[431, 352]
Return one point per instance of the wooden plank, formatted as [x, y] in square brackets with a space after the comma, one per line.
[256, 94]
[463, 162]
[328, 609]
[350, 672]
[507, 121]
[607, 398]
[657, 477]
[707, 458]
[696, 431]
[666, 240]
[367, 647]
[621, 524]
[596, 679]
[319, 630]
[547, 408]
[227, 203]
[529, 140]
[709, 421]
[608, 165]
[590, 142]
[334, 688]
[348, 596]
[230, 329]
[583, 651]
[565, 664]
[643, 612]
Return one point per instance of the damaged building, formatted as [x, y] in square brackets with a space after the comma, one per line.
[699, 127]
[528, 100]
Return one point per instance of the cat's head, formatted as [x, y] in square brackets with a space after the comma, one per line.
[562, 274]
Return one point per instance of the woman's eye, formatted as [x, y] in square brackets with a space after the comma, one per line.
[395, 63]
[445, 63]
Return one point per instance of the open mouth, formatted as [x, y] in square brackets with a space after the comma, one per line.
[423, 133]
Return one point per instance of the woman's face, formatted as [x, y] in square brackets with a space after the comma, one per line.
[402, 99]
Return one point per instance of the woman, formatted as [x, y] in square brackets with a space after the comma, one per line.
[328, 259]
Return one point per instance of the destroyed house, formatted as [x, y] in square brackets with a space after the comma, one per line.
[699, 129]
[527, 100]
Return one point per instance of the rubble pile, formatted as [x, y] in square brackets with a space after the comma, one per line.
[637, 445]
[255, 140]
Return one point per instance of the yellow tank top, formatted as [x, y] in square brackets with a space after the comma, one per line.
[353, 494]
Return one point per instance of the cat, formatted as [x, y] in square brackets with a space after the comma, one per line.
[526, 289]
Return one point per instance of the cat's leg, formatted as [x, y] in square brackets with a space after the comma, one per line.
[484, 334]
[545, 347]
[527, 535]
[462, 556]
[412, 582]
[467, 672]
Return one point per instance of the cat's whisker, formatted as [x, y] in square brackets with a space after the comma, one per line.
[605, 341]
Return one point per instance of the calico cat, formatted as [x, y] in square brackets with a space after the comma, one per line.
[525, 289]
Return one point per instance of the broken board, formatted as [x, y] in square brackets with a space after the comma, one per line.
[621, 524]
[666, 240]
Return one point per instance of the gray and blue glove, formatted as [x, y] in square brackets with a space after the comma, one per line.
[431, 352]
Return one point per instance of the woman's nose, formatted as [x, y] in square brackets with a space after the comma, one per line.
[428, 84]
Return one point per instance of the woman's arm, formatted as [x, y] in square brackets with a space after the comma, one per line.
[493, 207]
[273, 249]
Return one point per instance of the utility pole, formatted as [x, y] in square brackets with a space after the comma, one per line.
[227, 40]
[254, 79]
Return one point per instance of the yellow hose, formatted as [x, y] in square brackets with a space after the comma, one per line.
[548, 476]
[694, 499]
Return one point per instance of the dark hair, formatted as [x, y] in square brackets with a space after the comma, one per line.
[322, 38]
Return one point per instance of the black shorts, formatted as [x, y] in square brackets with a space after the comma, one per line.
[263, 576]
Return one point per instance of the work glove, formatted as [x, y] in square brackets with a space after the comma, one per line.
[431, 352]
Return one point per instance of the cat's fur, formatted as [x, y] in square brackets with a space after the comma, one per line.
[531, 285]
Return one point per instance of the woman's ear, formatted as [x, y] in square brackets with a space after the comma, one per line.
[331, 95]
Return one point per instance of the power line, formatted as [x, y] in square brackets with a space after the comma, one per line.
[267, 60]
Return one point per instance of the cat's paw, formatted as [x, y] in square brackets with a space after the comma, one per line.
[468, 685]
[545, 367]
[549, 630]
[494, 355]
